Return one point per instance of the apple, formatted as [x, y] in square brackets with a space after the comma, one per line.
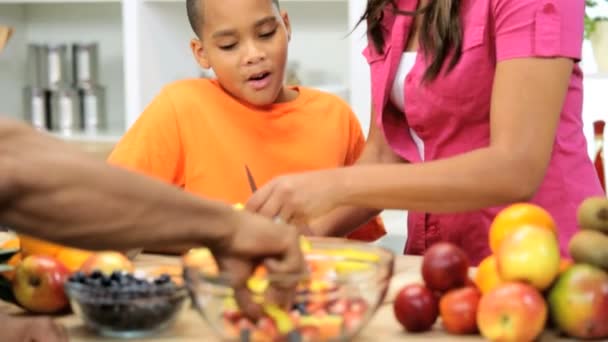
[416, 308]
[38, 284]
[202, 259]
[107, 262]
[512, 311]
[529, 254]
[458, 310]
[578, 302]
[445, 266]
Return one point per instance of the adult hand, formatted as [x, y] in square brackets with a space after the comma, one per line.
[298, 198]
[258, 239]
[31, 329]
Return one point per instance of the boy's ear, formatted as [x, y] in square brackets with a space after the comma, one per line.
[199, 53]
[287, 23]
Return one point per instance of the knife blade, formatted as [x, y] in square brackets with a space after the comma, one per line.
[250, 179]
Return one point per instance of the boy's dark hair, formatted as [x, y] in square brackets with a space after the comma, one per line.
[192, 8]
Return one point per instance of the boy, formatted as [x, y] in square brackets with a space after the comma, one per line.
[200, 134]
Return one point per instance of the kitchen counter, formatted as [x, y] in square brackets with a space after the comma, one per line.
[191, 327]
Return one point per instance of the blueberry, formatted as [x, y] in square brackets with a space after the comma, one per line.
[116, 275]
[163, 279]
[301, 307]
[106, 281]
[96, 274]
[78, 277]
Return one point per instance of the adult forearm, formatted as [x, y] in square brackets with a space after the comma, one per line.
[344, 220]
[479, 179]
[56, 192]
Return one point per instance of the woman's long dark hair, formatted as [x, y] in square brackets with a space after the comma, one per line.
[440, 32]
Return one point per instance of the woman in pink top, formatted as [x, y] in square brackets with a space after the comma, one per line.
[476, 104]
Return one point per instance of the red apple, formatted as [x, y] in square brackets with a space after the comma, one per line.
[38, 284]
[578, 302]
[445, 266]
[458, 310]
[512, 311]
[107, 262]
[416, 308]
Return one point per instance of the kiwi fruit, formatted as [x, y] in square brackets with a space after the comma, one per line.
[590, 247]
[593, 214]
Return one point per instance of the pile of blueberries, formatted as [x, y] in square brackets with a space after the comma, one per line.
[124, 302]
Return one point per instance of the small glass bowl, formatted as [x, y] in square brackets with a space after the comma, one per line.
[126, 305]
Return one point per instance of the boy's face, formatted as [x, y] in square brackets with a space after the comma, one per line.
[245, 43]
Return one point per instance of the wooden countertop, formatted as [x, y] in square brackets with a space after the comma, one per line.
[191, 327]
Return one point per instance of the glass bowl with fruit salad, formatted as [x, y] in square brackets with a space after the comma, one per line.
[127, 304]
[345, 284]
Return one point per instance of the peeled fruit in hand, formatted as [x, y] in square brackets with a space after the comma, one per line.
[416, 308]
[514, 216]
[38, 284]
[458, 310]
[445, 266]
[530, 254]
[486, 276]
[512, 312]
[107, 262]
[579, 302]
[590, 247]
[593, 214]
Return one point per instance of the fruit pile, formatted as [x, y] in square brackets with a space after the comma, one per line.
[327, 321]
[123, 302]
[324, 310]
[523, 287]
[35, 276]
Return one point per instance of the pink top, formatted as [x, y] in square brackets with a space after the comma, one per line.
[451, 121]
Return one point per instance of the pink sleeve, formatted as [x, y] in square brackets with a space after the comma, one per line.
[538, 28]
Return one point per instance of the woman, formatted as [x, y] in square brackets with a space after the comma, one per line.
[476, 104]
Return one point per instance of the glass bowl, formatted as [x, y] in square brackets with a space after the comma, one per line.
[127, 305]
[345, 284]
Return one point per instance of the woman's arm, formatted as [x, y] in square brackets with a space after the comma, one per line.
[527, 99]
[528, 95]
[342, 221]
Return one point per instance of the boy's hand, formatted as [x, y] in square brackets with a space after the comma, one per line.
[298, 198]
[256, 239]
[31, 329]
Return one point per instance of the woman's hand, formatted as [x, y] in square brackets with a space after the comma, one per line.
[298, 198]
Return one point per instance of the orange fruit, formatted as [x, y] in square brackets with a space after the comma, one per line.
[14, 260]
[514, 216]
[564, 264]
[33, 246]
[73, 258]
[487, 276]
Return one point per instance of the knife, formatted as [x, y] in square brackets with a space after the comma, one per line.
[250, 179]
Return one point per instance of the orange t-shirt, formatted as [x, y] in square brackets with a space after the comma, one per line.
[196, 136]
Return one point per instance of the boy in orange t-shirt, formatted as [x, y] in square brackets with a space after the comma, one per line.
[200, 134]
